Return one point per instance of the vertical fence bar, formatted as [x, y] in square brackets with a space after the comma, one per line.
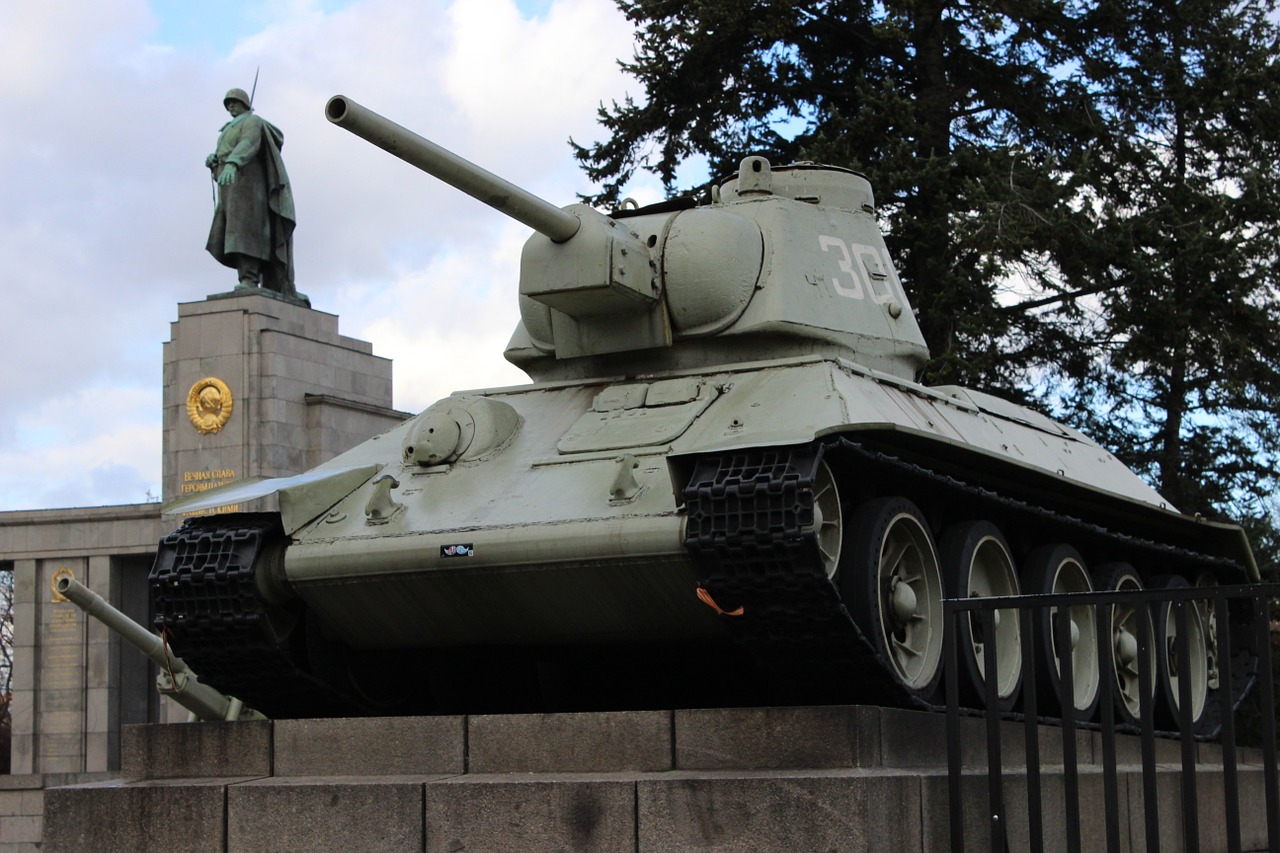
[1182, 652]
[1230, 787]
[955, 797]
[1106, 703]
[995, 775]
[1262, 626]
[1067, 699]
[1031, 729]
[1150, 804]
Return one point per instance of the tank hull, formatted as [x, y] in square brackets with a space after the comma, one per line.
[543, 533]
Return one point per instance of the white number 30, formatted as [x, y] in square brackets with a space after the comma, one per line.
[871, 270]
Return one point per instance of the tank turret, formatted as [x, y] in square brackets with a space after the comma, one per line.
[724, 486]
[783, 262]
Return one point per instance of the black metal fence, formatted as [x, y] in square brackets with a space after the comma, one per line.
[1241, 622]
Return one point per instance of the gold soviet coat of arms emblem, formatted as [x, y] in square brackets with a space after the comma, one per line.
[209, 405]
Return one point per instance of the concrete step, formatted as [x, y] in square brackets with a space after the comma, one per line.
[789, 779]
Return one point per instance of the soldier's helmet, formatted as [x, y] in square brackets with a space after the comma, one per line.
[237, 95]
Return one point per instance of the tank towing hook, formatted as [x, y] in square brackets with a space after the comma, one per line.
[176, 680]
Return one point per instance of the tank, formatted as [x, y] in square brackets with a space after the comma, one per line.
[724, 485]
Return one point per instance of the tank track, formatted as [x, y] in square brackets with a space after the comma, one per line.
[750, 517]
[747, 517]
[207, 605]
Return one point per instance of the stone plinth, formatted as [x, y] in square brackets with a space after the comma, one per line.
[256, 386]
[108, 817]
[583, 813]
[570, 743]
[209, 749]
[847, 779]
[381, 814]
[386, 746]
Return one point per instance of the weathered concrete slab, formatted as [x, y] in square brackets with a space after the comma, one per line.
[589, 813]
[326, 815]
[758, 779]
[163, 816]
[570, 743]
[777, 738]
[1211, 809]
[919, 739]
[190, 751]
[1129, 749]
[1093, 826]
[935, 811]
[1252, 811]
[368, 746]
[850, 811]
[21, 812]
[1015, 824]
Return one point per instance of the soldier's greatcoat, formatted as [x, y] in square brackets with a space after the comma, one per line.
[255, 215]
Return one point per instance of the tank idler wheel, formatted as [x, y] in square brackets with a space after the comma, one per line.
[1170, 674]
[1057, 569]
[279, 612]
[1126, 628]
[892, 584]
[976, 563]
[827, 520]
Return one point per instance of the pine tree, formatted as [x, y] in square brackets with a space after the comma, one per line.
[1183, 380]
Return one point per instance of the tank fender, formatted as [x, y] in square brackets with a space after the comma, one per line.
[301, 498]
[799, 402]
[787, 404]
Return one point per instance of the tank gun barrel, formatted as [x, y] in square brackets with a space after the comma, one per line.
[523, 206]
[176, 678]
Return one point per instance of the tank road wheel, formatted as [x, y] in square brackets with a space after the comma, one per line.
[1209, 619]
[827, 520]
[1060, 569]
[1169, 671]
[1125, 630]
[893, 587]
[976, 563]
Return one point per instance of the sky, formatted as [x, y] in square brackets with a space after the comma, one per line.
[110, 108]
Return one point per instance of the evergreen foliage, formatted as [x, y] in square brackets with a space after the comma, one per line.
[1183, 374]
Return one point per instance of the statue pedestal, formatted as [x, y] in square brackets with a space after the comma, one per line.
[259, 386]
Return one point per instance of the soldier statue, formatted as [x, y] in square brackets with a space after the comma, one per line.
[253, 223]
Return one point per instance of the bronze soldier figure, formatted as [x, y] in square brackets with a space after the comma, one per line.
[253, 223]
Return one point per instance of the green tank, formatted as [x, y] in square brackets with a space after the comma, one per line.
[724, 486]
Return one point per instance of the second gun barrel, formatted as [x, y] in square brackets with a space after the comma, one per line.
[523, 206]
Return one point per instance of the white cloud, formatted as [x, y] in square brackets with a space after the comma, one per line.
[105, 203]
[94, 446]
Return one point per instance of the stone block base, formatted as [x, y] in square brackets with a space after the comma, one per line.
[831, 779]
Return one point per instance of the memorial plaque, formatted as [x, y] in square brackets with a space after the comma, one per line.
[60, 694]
